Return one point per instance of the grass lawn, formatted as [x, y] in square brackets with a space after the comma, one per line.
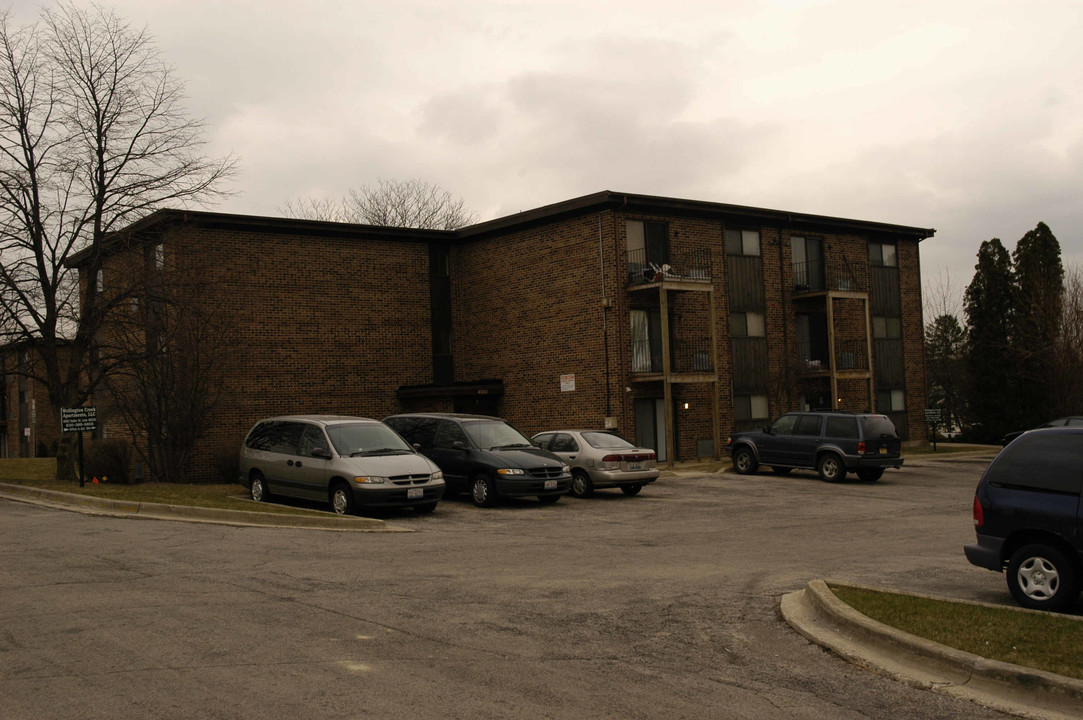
[40, 473]
[1044, 641]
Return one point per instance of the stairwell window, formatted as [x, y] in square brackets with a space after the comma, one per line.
[742, 242]
[886, 328]
[888, 401]
[882, 255]
[749, 407]
[747, 324]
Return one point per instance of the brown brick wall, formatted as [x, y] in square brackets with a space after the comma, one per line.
[338, 324]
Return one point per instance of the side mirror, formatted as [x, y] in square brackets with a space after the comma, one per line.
[767, 429]
[321, 453]
[459, 445]
[416, 446]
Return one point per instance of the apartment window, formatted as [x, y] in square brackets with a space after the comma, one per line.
[101, 281]
[747, 324]
[807, 255]
[159, 256]
[890, 401]
[742, 242]
[749, 407]
[886, 328]
[882, 255]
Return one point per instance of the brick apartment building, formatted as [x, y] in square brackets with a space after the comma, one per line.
[670, 321]
[27, 426]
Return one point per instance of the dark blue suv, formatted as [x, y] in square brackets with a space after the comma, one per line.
[1027, 517]
[832, 443]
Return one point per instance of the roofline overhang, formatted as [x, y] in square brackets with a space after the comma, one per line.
[649, 204]
[161, 220]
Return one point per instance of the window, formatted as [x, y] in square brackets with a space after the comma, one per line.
[159, 256]
[449, 434]
[742, 242]
[564, 443]
[749, 407]
[886, 328]
[747, 324]
[100, 280]
[841, 427]
[890, 400]
[784, 425]
[808, 425]
[882, 255]
[313, 440]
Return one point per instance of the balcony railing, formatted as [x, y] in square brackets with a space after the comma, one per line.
[849, 355]
[689, 356]
[812, 277]
[694, 265]
[692, 356]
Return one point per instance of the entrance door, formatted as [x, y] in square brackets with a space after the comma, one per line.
[651, 425]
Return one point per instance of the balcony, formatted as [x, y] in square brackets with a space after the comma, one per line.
[850, 356]
[691, 361]
[813, 277]
[690, 266]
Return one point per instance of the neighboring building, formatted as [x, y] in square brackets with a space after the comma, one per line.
[27, 425]
[671, 321]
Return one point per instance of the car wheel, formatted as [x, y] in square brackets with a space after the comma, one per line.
[548, 499]
[831, 468]
[425, 508]
[581, 485]
[482, 491]
[631, 490]
[259, 490]
[870, 474]
[744, 461]
[1041, 577]
[780, 470]
[342, 502]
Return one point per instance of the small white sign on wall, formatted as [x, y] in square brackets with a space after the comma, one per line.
[567, 383]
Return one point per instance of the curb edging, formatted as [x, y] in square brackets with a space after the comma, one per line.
[158, 511]
[817, 614]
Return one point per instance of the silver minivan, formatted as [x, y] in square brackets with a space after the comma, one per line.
[348, 462]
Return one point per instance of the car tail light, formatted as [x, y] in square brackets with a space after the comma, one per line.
[611, 458]
[979, 513]
[861, 448]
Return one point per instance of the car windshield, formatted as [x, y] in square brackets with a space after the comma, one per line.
[605, 440]
[877, 426]
[366, 439]
[490, 434]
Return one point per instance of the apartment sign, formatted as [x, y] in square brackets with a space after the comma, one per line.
[567, 383]
[78, 419]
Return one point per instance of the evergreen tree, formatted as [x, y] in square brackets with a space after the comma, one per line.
[945, 353]
[1038, 283]
[988, 303]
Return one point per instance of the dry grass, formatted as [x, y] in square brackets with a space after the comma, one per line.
[41, 472]
[1044, 641]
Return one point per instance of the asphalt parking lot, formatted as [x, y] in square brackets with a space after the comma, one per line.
[658, 606]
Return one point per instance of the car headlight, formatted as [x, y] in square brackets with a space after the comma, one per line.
[438, 475]
[565, 469]
[370, 480]
[510, 471]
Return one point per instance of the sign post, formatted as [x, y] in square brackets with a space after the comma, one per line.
[933, 418]
[80, 420]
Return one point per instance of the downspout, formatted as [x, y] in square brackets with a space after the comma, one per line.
[605, 323]
[786, 360]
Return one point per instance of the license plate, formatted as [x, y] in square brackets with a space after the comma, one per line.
[883, 451]
[550, 484]
[415, 493]
[635, 466]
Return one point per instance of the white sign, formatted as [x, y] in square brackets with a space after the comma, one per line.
[567, 383]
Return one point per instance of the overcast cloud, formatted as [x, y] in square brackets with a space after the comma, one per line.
[963, 115]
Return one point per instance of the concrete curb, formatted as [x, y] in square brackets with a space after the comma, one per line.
[155, 511]
[820, 616]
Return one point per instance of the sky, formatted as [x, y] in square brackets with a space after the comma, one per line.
[960, 115]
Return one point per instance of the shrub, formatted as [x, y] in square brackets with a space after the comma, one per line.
[108, 458]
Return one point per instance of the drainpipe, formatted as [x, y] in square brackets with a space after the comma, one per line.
[605, 322]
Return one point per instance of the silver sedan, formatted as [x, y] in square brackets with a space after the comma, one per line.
[600, 459]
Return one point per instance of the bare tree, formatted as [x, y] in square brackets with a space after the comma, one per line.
[92, 137]
[174, 339]
[410, 203]
[1068, 351]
